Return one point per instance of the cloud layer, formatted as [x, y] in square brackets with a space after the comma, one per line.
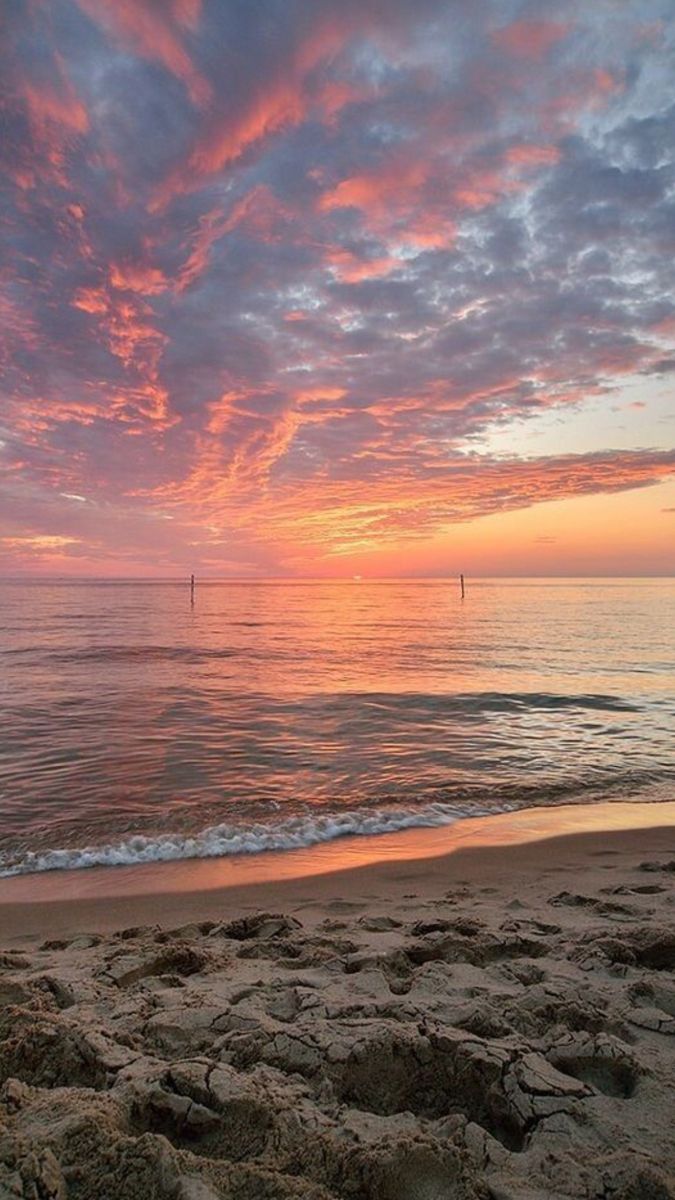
[275, 271]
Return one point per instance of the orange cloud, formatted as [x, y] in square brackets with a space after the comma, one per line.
[38, 543]
[56, 117]
[331, 519]
[279, 100]
[398, 198]
[334, 95]
[392, 202]
[210, 228]
[45, 412]
[258, 210]
[269, 111]
[481, 187]
[46, 105]
[91, 300]
[239, 447]
[155, 33]
[125, 325]
[135, 277]
[429, 230]
[350, 268]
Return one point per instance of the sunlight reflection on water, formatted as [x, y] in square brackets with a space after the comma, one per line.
[127, 712]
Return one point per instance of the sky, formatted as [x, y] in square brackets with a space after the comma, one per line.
[327, 287]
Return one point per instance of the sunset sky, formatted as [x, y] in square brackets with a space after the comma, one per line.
[325, 287]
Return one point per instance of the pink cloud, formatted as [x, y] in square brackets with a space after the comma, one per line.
[258, 211]
[154, 31]
[125, 324]
[280, 99]
[135, 277]
[586, 90]
[527, 154]
[352, 269]
[373, 191]
[56, 117]
[530, 39]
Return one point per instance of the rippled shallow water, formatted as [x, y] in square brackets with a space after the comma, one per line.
[136, 727]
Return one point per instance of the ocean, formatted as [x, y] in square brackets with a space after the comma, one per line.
[137, 727]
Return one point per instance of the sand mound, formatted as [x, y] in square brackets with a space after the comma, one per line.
[417, 1054]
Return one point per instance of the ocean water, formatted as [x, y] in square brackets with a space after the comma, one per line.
[136, 726]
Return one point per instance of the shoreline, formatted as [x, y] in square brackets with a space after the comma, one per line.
[101, 899]
[493, 1021]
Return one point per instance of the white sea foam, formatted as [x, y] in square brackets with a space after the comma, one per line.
[222, 840]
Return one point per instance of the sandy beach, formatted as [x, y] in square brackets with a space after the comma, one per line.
[493, 1021]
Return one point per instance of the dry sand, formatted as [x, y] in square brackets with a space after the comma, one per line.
[497, 1022]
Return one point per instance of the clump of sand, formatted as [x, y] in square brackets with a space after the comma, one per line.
[500, 1042]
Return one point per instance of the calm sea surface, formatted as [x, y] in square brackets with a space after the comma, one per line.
[136, 727]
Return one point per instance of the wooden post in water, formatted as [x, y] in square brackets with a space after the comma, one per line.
[461, 584]
[192, 589]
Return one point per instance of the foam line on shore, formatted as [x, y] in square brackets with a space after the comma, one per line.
[230, 839]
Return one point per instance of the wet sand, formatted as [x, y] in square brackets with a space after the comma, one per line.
[495, 1019]
[105, 898]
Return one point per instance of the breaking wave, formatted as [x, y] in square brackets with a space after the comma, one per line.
[229, 839]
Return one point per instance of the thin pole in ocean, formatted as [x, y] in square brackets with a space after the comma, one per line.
[192, 589]
[461, 584]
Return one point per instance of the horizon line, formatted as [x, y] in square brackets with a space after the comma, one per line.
[293, 579]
